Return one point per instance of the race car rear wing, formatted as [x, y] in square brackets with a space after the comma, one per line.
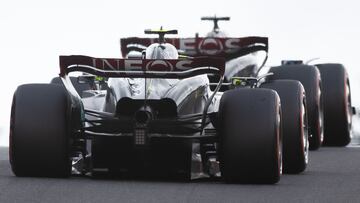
[142, 68]
[229, 48]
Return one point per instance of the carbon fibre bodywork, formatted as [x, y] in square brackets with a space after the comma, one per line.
[157, 107]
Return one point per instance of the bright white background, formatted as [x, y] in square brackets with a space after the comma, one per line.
[33, 33]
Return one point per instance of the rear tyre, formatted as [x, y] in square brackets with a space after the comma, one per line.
[337, 104]
[39, 135]
[294, 123]
[309, 76]
[250, 147]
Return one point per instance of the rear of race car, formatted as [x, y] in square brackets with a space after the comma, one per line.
[142, 135]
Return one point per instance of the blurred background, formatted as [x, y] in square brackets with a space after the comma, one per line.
[34, 33]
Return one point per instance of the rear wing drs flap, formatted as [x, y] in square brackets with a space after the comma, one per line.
[142, 68]
[228, 48]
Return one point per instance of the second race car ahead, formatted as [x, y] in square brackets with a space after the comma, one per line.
[241, 63]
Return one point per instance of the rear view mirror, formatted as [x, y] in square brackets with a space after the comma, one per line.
[86, 79]
[93, 81]
[134, 55]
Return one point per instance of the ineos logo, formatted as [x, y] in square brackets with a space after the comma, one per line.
[159, 65]
[210, 46]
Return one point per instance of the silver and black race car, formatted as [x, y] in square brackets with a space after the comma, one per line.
[326, 102]
[152, 115]
[327, 90]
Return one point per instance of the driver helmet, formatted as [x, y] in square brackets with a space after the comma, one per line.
[216, 33]
[161, 51]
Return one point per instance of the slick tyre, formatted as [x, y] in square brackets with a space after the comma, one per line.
[337, 104]
[294, 124]
[39, 135]
[309, 76]
[250, 146]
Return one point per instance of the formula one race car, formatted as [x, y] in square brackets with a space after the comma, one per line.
[150, 115]
[327, 92]
[331, 98]
[242, 68]
[328, 105]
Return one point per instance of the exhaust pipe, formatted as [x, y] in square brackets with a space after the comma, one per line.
[144, 115]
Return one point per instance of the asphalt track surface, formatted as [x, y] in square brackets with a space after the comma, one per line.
[332, 176]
